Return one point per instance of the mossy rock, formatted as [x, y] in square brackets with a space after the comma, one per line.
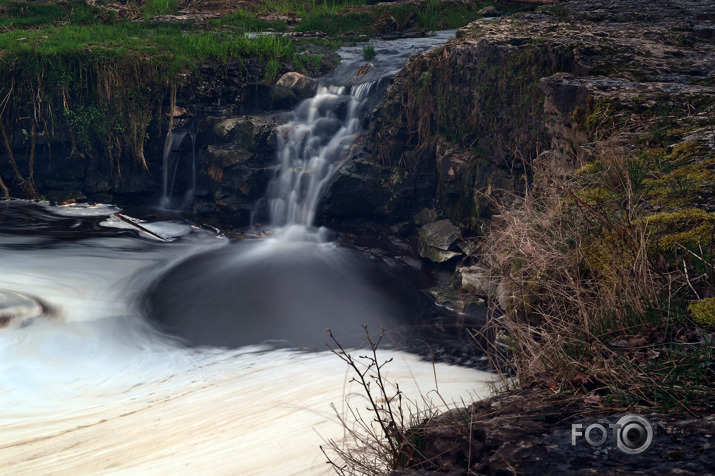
[686, 173]
[703, 312]
[686, 227]
[608, 254]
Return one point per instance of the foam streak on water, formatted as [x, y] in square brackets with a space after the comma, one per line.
[87, 386]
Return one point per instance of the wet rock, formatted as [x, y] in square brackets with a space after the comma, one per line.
[489, 11]
[292, 88]
[468, 247]
[226, 89]
[362, 188]
[456, 299]
[529, 433]
[425, 216]
[436, 240]
[440, 234]
[247, 132]
[244, 146]
[65, 197]
[227, 157]
[177, 112]
[402, 229]
[477, 280]
[436, 255]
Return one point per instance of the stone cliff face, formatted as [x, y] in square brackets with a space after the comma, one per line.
[465, 124]
[224, 105]
[544, 100]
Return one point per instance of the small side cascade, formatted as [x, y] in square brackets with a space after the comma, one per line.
[171, 163]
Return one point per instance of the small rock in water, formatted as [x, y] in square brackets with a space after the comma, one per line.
[292, 88]
[436, 239]
[177, 112]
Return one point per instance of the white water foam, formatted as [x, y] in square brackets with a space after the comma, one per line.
[89, 387]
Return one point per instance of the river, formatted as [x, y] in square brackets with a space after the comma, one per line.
[178, 351]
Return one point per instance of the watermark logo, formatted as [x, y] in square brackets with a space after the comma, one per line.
[633, 434]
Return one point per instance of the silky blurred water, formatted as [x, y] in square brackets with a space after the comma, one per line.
[178, 352]
[91, 383]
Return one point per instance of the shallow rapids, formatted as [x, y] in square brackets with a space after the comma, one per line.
[91, 383]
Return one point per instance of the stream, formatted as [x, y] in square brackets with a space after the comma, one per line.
[161, 347]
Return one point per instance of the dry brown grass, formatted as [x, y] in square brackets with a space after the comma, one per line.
[587, 304]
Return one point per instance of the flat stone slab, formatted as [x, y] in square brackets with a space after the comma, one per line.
[435, 240]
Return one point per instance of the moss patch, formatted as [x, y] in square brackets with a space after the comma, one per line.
[703, 312]
[685, 227]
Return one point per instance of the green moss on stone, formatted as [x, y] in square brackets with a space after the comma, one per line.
[686, 227]
[703, 312]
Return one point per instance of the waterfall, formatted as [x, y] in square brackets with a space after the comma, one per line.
[310, 149]
[317, 140]
[170, 168]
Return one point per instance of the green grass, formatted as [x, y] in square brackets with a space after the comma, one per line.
[172, 43]
[23, 15]
[78, 69]
[429, 15]
[246, 20]
[102, 82]
[368, 52]
[336, 24]
[305, 8]
[436, 15]
[160, 7]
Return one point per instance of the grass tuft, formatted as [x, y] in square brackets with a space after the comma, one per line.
[160, 7]
[595, 288]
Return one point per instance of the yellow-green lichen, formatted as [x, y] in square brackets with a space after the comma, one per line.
[684, 227]
[589, 168]
[685, 151]
[594, 195]
[678, 179]
[608, 255]
[703, 312]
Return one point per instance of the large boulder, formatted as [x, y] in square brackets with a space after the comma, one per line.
[243, 140]
[362, 188]
[247, 132]
[292, 88]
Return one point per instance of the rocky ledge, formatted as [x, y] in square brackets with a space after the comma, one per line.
[461, 135]
[463, 125]
[530, 432]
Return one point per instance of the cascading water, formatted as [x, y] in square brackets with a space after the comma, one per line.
[316, 141]
[90, 380]
[311, 147]
[170, 168]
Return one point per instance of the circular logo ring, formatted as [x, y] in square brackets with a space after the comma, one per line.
[634, 434]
